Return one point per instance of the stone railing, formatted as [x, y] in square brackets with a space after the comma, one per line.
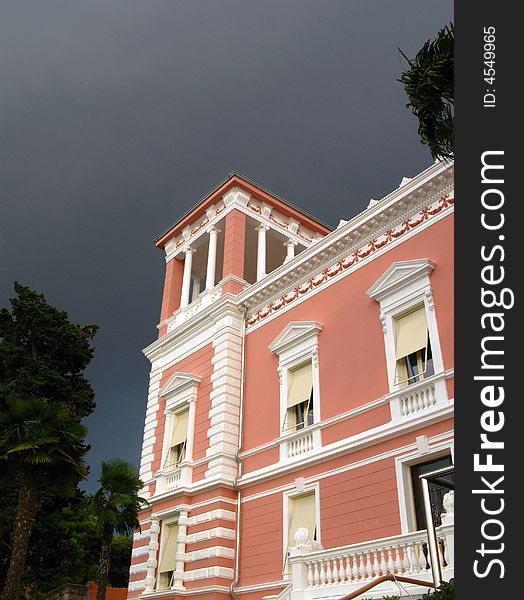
[199, 304]
[413, 400]
[300, 445]
[347, 568]
[205, 299]
[172, 479]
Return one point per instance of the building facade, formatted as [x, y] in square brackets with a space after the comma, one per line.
[301, 382]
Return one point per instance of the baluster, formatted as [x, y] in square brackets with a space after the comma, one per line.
[322, 573]
[426, 561]
[329, 573]
[442, 553]
[415, 556]
[335, 570]
[316, 574]
[391, 564]
[309, 574]
[348, 569]
[361, 566]
[376, 566]
[406, 565]
[383, 566]
[354, 571]
[369, 566]
[398, 562]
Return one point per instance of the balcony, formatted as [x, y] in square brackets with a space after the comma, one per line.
[169, 480]
[340, 571]
[300, 443]
[419, 398]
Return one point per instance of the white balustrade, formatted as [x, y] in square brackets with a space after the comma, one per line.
[173, 480]
[412, 402]
[417, 398]
[406, 555]
[300, 445]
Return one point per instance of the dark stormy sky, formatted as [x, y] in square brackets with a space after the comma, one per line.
[116, 117]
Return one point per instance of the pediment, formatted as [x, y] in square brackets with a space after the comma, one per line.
[399, 275]
[178, 384]
[294, 333]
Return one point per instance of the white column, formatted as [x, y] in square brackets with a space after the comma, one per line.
[261, 251]
[211, 258]
[186, 279]
[290, 250]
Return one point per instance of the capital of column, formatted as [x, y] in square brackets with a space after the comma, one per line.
[188, 250]
[262, 227]
[213, 229]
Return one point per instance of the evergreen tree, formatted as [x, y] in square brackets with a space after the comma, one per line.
[43, 396]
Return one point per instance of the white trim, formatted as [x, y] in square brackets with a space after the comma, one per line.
[297, 491]
[402, 287]
[296, 345]
[333, 280]
[356, 465]
[404, 483]
[370, 437]
[211, 534]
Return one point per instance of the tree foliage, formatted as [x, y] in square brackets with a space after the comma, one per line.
[429, 85]
[43, 396]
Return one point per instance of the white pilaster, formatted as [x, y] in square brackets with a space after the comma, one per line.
[211, 258]
[151, 560]
[178, 578]
[225, 395]
[186, 279]
[261, 251]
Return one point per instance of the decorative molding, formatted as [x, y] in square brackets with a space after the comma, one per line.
[293, 334]
[179, 387]
[399, 275]
[359, 253]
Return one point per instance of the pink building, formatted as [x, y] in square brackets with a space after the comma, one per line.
[301, 382]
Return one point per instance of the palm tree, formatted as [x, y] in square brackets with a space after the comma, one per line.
[43, 442]
[116, 505]
[429, 85]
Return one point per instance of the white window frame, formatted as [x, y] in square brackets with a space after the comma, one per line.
[403, 466]
[300, 489]
[180, 394]
[296, 345]
[165, 523]
[403, 287]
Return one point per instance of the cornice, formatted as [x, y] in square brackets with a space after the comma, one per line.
[428, 194]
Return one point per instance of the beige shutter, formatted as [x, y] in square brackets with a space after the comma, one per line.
[180, 429]
[412, 333]
[300, 385]
[303, 514]
[168, 558]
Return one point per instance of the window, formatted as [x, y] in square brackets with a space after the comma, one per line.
[411, 336]
[167, 562]
[301, 510]
[177, 446]
[436, 492]
[302, 514]
[412, 348]
[299, 413]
